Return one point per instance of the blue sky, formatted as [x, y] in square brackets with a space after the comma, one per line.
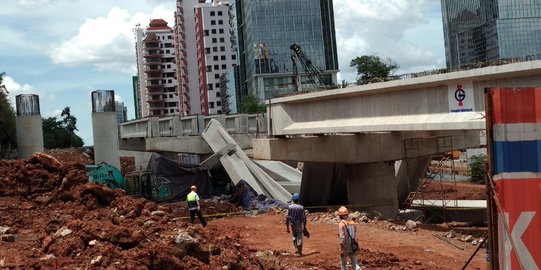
[64, 49]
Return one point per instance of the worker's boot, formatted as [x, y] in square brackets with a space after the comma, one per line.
[295, 245]
[299, 247]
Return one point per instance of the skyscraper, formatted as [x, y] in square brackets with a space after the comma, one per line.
[214, 53]
[263, 33]
[156, 69]
[485, 30]
[186, 57]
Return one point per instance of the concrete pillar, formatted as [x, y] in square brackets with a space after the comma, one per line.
[372, 187]
[105, 128]
[408, 173]
[323, 184]
[363, 186]
[28, 125]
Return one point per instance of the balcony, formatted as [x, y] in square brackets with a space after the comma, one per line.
[154, 86]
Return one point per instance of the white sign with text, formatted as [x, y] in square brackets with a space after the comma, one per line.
[461, 97]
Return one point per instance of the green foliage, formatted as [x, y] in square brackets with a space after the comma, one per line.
[477, 170]
[372, 66]
[251, 104]
[8, 134]
[60, 133]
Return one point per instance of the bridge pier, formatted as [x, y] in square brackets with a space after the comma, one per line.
[365, 186]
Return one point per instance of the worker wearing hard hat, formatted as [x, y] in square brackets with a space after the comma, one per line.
[194, 207]
[348, 242]
[297, 219]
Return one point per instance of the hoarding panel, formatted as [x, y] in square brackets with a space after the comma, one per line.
[516, 162]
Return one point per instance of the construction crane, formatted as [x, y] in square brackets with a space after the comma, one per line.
[313, 74]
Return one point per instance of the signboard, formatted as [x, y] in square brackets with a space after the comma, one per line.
[516, 162]
[461, 97]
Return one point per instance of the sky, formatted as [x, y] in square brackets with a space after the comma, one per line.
[62, 50]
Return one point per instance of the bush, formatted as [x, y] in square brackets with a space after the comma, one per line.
[477, 170]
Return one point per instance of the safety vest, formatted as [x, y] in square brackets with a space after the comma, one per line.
[191, 199]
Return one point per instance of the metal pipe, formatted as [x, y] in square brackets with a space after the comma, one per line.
[492, 226]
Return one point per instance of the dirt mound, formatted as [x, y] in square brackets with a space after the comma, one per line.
[82, 155]
[56, 219]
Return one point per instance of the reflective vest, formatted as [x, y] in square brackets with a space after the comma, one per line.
[192, 200]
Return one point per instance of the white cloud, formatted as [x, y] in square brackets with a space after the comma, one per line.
[107, 43]
[380, 27]
[14, 88]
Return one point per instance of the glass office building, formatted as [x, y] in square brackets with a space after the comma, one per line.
[485, 30]
[263, 32]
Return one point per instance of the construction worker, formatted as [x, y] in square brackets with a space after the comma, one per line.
[297, 219]
[194, 206]
[348, 243]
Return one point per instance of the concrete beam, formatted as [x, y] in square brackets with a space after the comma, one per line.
[364, 148]
[182, 144]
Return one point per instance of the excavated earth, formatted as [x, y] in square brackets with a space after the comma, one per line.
[52, 218]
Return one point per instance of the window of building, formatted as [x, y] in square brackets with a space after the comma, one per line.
[207, 50]
[209, 68]
[218, 103]
[220, 13]
[211, 105]
[212, 13]
[170, 81]
[224, 66]
[170, 37]
[234, 57]
[214, 49]
[222, 48]
[212, 22]
[216, 76]
[221, 40]
[168, 66]
[213, 31]
[215, 58]
[220, 22]
[163, 81]
[222, 57]
[217, 85]
[216, 67]
[209, 86]
[221, 30]
[214, 40]
[218, 94]
[206, 33]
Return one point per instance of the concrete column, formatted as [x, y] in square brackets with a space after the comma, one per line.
[408, 173]
[28, 125]
[323, 184]
[372, 187]
[105, 128]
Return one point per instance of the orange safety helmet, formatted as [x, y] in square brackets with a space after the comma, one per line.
[343, 211]
[193, 187]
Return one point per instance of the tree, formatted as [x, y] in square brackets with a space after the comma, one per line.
[251, 104]
[8, 134]
[372, 66]
[477, 169]
[60, 133]
[69, 122]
